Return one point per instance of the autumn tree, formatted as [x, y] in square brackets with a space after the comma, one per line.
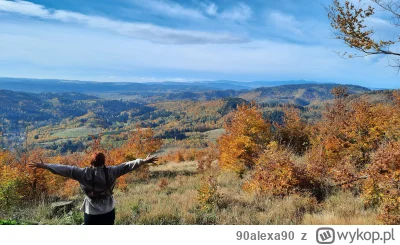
[348, 21]
[247, 135]
[294, 133]
[346, 138]
[10, 181]
[141, 142]
[382, 187]
[19, 183]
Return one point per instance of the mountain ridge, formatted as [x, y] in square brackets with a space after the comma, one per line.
[92, 87]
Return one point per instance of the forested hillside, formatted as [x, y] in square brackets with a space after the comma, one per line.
[299, 94]
[62, 120]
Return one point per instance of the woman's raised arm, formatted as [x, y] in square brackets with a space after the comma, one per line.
[127, 167]
[71, 172]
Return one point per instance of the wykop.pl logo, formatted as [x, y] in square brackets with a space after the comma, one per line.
[325, 235]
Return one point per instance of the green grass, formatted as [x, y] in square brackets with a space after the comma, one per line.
[15, 222]
[76, 132]
[213, 135]
[11, 222]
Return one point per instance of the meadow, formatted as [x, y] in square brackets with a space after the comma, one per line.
[173, 195]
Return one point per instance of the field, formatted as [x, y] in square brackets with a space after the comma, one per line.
[76, 132]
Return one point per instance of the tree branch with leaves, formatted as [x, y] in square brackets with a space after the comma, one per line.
[348, 23]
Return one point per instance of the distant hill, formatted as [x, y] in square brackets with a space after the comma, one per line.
[31, 108]
[235, 85]
[377, 96]
[299, 94]
[22, 108]
[258, 84]
[56, 117]
[54, 85]
[144, 89]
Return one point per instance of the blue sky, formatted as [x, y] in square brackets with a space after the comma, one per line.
[176, 40]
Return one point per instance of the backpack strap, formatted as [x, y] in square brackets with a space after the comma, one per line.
[93, 176]
[107, 179]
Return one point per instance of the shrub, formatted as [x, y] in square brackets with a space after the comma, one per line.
[208, 195]
[382, 187]
[246, 136]
[274, 173]
[206, 157]
[294, 133]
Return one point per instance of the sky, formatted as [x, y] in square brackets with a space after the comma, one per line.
[177, 40]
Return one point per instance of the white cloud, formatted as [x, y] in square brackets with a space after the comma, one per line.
[31, 47]
[25, 8]
[288, 27]
[378, 22]
[211, 9]
[170, 9]
[125, 55]
[37, 49]
[132, 29]
[285, 22]
[240, 12]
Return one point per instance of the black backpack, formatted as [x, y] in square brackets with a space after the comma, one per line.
[92, 194]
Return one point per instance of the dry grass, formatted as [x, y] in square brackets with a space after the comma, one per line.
[342, 209]
[170, 196]
[152, 203]
[176, 167]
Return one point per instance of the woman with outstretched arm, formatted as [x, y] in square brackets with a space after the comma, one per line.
[97, 182]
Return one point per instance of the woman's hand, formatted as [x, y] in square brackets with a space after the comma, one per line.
[150, 159]
[35, 165]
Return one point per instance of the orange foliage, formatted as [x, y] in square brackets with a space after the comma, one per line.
[71, 188]
[382, 187]
[208, 194]
[354, 140]
[206, 157]
[275, 173]
[141, 143]
[294, 133]
[178, 156]
[247, 134]
[11, 181]
[18, 182]
[347, 136]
